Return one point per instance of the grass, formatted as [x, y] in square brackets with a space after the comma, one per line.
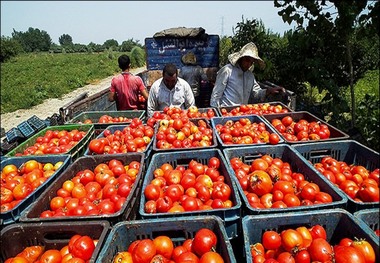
[27, 80]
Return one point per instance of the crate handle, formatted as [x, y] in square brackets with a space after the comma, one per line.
[320, 153]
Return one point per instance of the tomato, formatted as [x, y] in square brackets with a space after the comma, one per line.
[187, 256]
[320, 250]
[96, 146]
[259, 164]
[163, 204]
[123, 257]
[344, 254]
[366, 249]
[204, 241]
[190, 204]
[211, 257]
[22, 190]
[317, 231]
[291, 240]
[305, 233]
[259, 182]
[164, 246]
[83, 247]
[274, 138]
[152, 192]
[285, 257]
[214, 162]
[144, 251]
[369, 192]
[51, 256]
[32, 253]
[221, 191]
[271, 240]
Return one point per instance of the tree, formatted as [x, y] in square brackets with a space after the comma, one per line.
[127, 45]
[33, 39]
[111, 43]
[328, 49]
[9, 48]
[65, 40]
[137, 56]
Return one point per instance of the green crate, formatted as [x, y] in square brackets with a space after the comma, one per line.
[338, 224]
[178, 229]
[94, 116]
[75, 152]
[51, 235]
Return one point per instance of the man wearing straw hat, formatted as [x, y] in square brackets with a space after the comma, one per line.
[235, 83]
[193, 74]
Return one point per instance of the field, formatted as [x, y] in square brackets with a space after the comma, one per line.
[29, 79]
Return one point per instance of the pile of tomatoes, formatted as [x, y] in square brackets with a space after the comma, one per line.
[101, 191]
[270, 183]
[245, 131]
[183, 133]
[356, 181]
[54, 142]
[301, 130]
[309, 245]
[254, 109]
[17, 183]
[109, 119]
[171, 113]
[162, 249]
[132, 138]
[199, 187]
[79, 250]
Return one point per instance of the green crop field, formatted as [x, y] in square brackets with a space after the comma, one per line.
[27, 80]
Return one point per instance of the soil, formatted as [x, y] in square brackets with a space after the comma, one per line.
[51, 106]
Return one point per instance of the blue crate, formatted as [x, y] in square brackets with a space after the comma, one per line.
[297, 163]
[94, 116]
[337, 222]
[36, 123]
[349, 151]
[26, 129]
[178, 229]
[370, 217]
[229, 108]
[14, 214]
[253, 118]
[213, 144]
[230, 216]
[127, 212]
[14, 135]
[50, 235]
[335, 134]
[114, 128]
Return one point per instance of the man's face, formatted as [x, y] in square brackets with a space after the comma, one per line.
[170, 81]
[246, 63]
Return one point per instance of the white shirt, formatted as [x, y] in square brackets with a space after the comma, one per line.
[234, 87]
[160, 96]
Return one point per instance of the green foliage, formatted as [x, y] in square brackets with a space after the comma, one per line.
[33, 40]
[65, 40]
[137, 57]
[42, 76]
[225, 47]
[9, 48]
[111, 43]
[127, 45]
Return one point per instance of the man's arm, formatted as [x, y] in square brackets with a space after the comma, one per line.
[219, 87]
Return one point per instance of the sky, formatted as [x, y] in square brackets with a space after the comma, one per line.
[98, 21]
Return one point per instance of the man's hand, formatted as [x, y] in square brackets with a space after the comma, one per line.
[275, 90]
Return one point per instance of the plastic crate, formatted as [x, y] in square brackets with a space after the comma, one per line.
[213, 144]
[16, 237]
[75, 151]
[335, 134]
[230, 216]
[7, 147]
[178, 229]
[26, 130]
[95, 115]
[114, 128]
[229, 108]
[370, 217]
[349, 151]
[297, 163]
[14, 135]
[337, 222]
[14, 214]
[127, 212]
[36, 123]
[253, 118]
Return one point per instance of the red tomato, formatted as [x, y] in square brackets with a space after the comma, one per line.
[211, 257]
[344, 254]
[271, 240]
[274, 138]
[204, 241]
[164, 246]
[291, 240]
[96, 146]
[144, 251]
[51, 256]
[320, 250]
[366, 249]
[221, 191]
[259, 182]
[83, 247]
[318, 231]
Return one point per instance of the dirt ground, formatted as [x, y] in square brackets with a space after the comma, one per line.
[51, 106]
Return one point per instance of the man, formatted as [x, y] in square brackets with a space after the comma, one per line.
[235, 83]
[169, 91]
[126, 88]
[193, 74]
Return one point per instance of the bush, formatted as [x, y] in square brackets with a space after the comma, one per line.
[137, 56]
[9, 48]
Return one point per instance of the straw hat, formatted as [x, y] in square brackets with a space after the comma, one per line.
[249, 50]
[189, 58]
